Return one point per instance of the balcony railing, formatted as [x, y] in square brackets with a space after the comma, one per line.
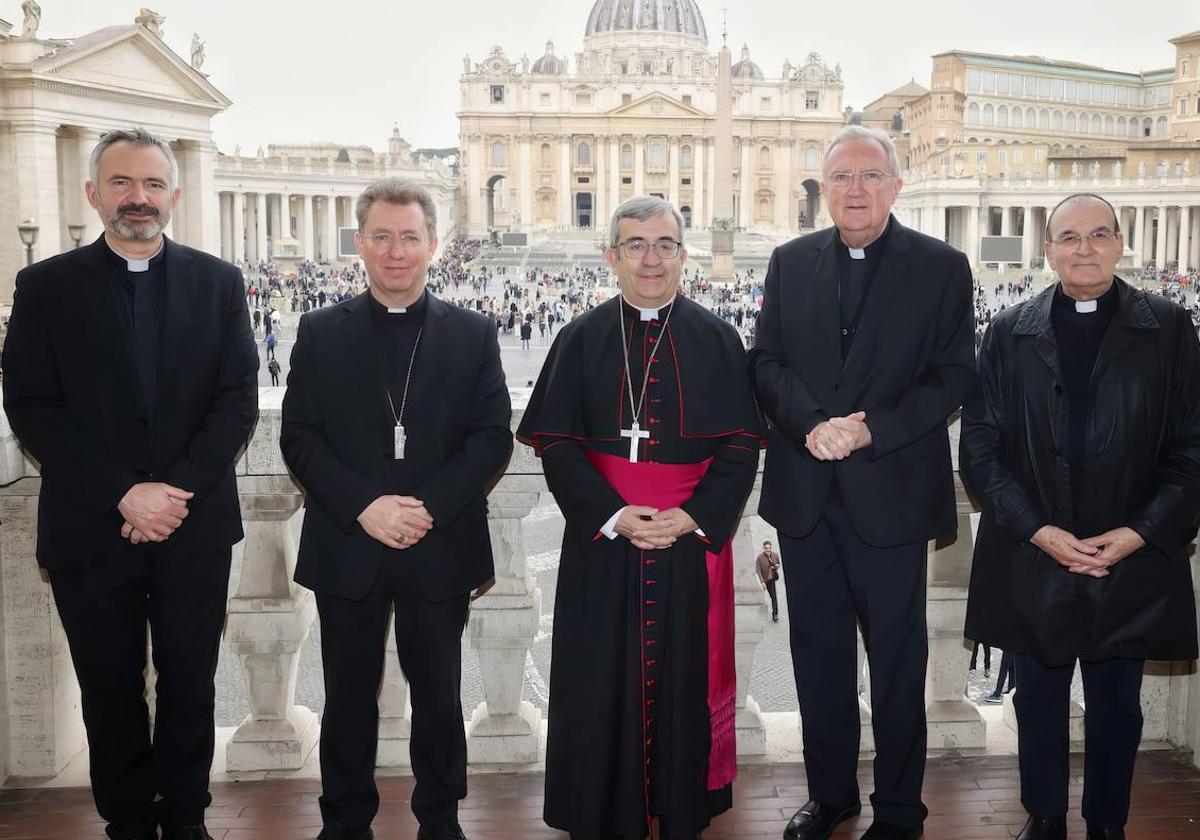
[270, 617]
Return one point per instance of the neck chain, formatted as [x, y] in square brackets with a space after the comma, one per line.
[399, 438]
[637, 408]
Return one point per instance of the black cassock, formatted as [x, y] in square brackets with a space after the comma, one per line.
[629, 721]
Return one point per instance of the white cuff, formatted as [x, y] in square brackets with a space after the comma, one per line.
[608, 529]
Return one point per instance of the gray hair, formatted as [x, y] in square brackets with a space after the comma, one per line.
[858, 132]
[642, 208]
[396, 191]
[137, 136]
[1085, 196]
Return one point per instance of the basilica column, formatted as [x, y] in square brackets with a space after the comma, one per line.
[600, 211]
[1160, 243]
[260, 226]
[1194, 259]
[1172, 235]
[783, 185]
[565, 216]
[35, 181]
[475, 197]
[238, 227]
[1185, 230]
[699, 206]
[673, 173]
[639, 166]
[87, 216]
[614, 186]
[224, 202]
[746, 183]
[285, 217]
[525, 178]
[1137, 234]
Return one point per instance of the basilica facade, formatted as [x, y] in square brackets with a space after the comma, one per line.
[556, 143]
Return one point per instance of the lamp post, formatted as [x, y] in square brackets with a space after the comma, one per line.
[76, 232]
[29, 234]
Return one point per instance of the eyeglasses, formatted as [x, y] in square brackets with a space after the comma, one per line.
[1098, 237]
[383, 241]
[870, 178]
[636, 249]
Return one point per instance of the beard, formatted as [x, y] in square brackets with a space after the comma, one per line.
[144, 230]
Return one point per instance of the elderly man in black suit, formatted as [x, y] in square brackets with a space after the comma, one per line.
[1083, 447]
[863, 350]
[131, 377]
[395, 421]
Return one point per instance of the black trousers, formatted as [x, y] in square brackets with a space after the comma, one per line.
[774, 597]
[181, 594]
[1112, 722]
[428, 638]
[987, 656]
[835, 582]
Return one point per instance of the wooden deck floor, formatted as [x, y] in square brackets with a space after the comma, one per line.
[968, 799]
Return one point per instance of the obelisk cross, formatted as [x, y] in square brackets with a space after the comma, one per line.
[634, 433]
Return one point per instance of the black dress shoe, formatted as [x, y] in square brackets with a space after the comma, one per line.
[891, 831]
[188, 832]
[1044, 828]
[1095, 832]
[335, 833]
[815, 821]
[444, 831]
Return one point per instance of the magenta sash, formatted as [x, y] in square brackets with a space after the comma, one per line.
[665, 486]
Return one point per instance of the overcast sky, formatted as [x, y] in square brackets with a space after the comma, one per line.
[347, 72]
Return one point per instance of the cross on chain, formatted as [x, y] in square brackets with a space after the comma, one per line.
[634, 433]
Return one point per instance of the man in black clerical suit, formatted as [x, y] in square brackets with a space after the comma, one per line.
[395, 422]
[1083, 447]
[863, 350]
[649, 436]
[130, 375]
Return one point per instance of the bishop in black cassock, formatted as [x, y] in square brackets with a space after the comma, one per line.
[642, 690]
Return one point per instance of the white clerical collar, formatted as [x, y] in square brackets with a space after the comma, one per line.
[1085, 306]
[136, 266]
[858, 253]
[649, 314]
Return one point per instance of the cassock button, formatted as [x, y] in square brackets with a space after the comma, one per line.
[845, 331]
[1058, 389]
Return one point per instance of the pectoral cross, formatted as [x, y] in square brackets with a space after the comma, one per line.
[399, 439]
[634, 433]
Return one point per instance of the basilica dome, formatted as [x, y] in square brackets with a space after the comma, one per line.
[746, 69]
[682, 16]
[550, 64]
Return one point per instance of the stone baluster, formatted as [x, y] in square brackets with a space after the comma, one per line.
[502, 626]
[954, 722]
[395, 716]
[750, 616]
[269, 619]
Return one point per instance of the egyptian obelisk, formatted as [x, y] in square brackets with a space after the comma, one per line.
[722, 225]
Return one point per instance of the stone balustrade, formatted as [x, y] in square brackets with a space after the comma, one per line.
[270, 618]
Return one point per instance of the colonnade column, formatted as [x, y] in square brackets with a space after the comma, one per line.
[525, 180]
[565, 214]
[972, 243]
[239, 226]
[306, 216]
[1185, 232]
[331, 228]
[1027, 238]
[260, 226]
[1160, 240]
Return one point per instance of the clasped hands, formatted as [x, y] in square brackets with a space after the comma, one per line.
[399, 522]
[649, 528]
[1093, 556]
[837, 438]
[152, 510]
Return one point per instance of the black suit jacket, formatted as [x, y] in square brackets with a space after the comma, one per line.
[337, 440]
[911, 366]
[70, 394]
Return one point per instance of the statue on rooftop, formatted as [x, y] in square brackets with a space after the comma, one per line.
[197, 52]
[152, 20]
[33, 18]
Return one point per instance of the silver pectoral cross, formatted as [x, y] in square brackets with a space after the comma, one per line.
[634, 433]
[398, 441]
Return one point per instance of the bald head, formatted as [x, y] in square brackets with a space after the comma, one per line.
[1076, 200]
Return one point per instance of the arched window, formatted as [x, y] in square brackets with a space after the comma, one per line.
[1044, 120]
[583, 154]
[1016, 118]
[1098, 124]
[499, 154]
[1069, 124]
[1160, 128]
[1110, 125]
[1122, 127]
[1084, 123]
[973, 114]
[685, 157]
[989, 115]
[627, 156]
[1147, 127]
[1056, 121]
[1002, 116]
[764, 157]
